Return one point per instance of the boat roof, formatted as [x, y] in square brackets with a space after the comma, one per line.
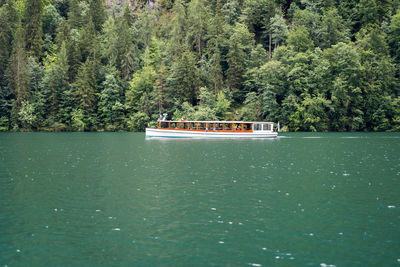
[218, 121]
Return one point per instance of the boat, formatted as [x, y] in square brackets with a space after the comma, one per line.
[212, 129]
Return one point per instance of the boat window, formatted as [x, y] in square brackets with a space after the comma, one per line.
[265, 127]
[257, 127]
[202, 126]
[174, 125]
[247, 127]
[182, 125]
[238, 127]
[164, 125]
[228, 127]
[192, 126]
[218, 126]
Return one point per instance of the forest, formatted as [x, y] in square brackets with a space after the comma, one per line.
[116, 65]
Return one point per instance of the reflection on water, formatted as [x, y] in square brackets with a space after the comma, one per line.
[119, 199]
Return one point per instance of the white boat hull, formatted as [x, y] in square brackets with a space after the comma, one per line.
[167, 133]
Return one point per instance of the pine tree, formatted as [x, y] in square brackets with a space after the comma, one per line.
[71, 38]
[127, 17]
[109, 42]
[89, 43]
[33, 27]
[215, 33]
[55, 81]
[127, 57]
[199, 21]
[8, 24]
[161, 88]
[74, 55]
[394, 36]
[185, 78]
[97, 13]
[178, 26]
[37, 99]
[279, 29]
[8, 20]
[333, 29]
[74, 14]
[216, 70]
[86, 87]
[19, 77]
[143, 27]
[236, 68]
[111, 108]
[231, 11]
[240, 45]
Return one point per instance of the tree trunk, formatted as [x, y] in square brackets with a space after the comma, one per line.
[269, 45]
[199, 45]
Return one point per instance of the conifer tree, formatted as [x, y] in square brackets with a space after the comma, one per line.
[111, 108]
[8, 24]
[127, 57]
[88, 43]
[143, 27]
[199, 21]
[236, 67]
[215, 33]
[161, 88]
[33, 27]
[74, 14]
[8, 20]
[86, 87]
[240, 45]
[178, 28]
[127, 17]
[216, 70]
[333, 29]
[97, 13]
[55, 81]
[71, 38]
[63, 33]
[19, 78]
[74, 55]
[279, 29]
[109, 42]
[37, 99]
[394, 36]
[231, 11]
[185, 78]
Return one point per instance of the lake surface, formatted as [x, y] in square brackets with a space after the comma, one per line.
[116, 199]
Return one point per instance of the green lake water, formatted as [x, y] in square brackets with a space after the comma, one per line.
[117, 199]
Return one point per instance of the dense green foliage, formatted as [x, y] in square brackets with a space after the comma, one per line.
[93, 65]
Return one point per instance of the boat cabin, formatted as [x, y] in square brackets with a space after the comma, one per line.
[217, 126]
